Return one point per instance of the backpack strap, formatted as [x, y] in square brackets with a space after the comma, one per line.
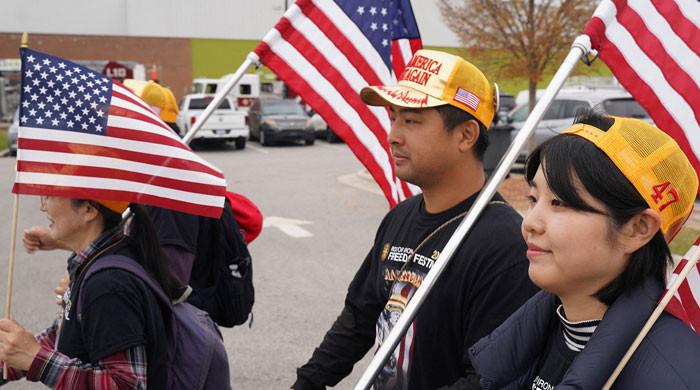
[127, 264]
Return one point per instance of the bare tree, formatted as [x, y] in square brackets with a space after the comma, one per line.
[533, 33]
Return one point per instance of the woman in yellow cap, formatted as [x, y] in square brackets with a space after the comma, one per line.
[604, 199]
[116, 336]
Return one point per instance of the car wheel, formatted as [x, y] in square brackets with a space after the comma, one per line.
[309, 141]
[263, 139]
[240, 143]
[331, 136]
[13, 152]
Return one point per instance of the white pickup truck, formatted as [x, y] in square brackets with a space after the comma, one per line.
[225, 123]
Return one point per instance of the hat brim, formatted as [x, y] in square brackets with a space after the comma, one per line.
[398, 95]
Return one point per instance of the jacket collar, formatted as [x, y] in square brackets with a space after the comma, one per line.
[523, 336]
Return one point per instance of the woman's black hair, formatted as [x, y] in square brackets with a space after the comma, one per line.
[453, 116]
[568, 157]
[143, 238]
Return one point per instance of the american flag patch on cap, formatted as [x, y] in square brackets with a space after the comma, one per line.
[465, 97]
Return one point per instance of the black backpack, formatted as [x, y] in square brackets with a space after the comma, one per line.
[223, 259]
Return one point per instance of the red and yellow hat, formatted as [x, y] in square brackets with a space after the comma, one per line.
[433, 78]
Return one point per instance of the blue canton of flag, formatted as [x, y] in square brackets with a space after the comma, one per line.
[382, 21]
[60, 95]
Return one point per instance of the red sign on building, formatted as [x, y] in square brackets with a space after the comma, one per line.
[117, 71]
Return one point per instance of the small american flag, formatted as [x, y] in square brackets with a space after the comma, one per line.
[468, 98]
[653, 48]
[684, 304]
[84, 136]
[327, 51]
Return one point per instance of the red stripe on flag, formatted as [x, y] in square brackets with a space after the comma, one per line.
[119, 174]
[684, 28]
[144, 136]
[130, 98]
[94, 150]
[92, 193]
[690, 304]
[676, 76]
[115, 110]
[330, 73]
[299, 84]
[397, 61]
[640, 90]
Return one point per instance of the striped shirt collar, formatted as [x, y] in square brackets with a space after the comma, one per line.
[576, 334]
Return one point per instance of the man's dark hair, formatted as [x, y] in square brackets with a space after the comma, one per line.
[453, 116]
[569, 156]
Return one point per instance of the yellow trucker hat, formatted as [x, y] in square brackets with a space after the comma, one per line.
[433, 78]
[653, 162]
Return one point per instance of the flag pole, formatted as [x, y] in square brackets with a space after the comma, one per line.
[13, 239]
[251, 59]
[692, 262]
[580, 47]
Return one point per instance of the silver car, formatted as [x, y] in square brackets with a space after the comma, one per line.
[560, 114]
[274, 120]
[12, 134]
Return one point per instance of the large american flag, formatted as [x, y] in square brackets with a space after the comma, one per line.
[326, 51]
[653, 48]
[84, 136]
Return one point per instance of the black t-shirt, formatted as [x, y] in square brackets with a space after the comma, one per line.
[118, 311]
[555, 360]
[484, 283]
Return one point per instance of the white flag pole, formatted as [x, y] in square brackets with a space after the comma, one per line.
[692, 262]
[251, 59]
[580, 47]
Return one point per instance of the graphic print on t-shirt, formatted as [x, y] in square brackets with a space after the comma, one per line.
[404, 283]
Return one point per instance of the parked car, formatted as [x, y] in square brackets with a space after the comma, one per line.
[12, 132]
[225, 123]
[566, 105]
[273, 120]
[506, 103]
[321, 128]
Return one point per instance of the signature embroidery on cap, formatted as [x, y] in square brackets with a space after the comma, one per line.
[467, 98]
[403, 95]
[660, 192]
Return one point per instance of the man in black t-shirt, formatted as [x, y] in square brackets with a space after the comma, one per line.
[440, 111]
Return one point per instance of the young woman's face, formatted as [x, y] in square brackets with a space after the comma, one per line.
[66, 223]
[571, 252]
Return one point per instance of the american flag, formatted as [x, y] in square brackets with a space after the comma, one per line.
[84, 136]
[326, 51]
[653, 48]
[468, 98]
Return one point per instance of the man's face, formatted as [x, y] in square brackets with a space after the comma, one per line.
[422, 148]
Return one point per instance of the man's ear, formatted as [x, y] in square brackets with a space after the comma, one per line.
[640, 229]
[468, 133]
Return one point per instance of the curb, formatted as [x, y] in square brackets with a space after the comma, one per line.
[4, 152]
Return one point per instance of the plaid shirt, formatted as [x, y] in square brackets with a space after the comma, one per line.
[122, 370]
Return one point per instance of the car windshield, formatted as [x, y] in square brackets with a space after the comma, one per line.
[507, 102]
[202, 103]
[282, 108]
[558, 109]
[624, 107]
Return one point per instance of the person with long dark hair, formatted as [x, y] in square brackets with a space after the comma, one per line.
[606, 197]
[118, 339]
